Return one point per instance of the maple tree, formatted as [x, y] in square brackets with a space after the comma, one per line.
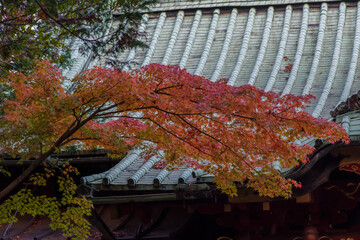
[235, 133]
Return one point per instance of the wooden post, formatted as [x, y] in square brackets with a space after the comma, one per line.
[266, 206]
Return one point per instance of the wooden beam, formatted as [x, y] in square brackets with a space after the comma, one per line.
[306, 198]
[95, 219]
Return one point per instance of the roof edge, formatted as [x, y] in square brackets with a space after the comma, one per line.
[182, 5]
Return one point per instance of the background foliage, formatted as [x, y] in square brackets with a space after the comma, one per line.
[47, 29]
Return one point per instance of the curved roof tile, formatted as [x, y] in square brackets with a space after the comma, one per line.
[299, 50]
[244, 47]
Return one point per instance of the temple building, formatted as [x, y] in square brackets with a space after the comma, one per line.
[287, 46]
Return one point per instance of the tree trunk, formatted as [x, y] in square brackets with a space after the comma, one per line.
[6, 191]
[68, 133]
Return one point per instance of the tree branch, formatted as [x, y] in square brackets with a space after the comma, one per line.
[69, 132]
[62, 25]
[180, 138]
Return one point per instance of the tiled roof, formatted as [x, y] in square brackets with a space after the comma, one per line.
[133, 171]
[296, 47]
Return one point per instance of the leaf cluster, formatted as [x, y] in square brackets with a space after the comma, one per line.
[235, 133]
[67, 213]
